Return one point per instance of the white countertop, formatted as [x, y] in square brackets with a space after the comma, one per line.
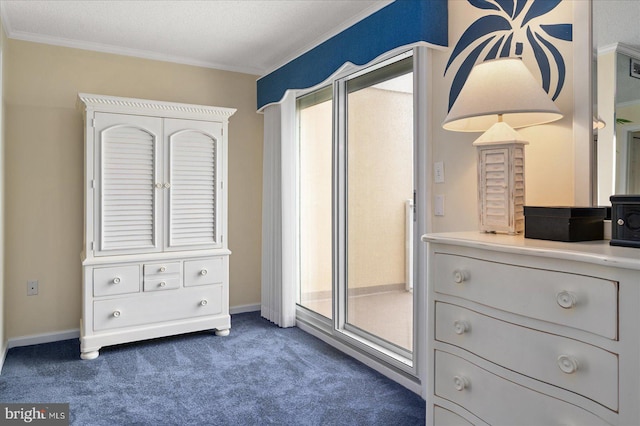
[597, 252]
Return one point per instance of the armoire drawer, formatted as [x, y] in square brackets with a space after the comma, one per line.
[116, 280]
[167, 268]
[578, 301]
[474, 388]
[157, 307]
[204, 271]
[160, 284]
[579, 367]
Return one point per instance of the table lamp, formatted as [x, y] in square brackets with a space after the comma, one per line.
[499, 96]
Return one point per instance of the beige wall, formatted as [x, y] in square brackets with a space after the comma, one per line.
[44, 167]
[380, 176]
[3, 63]
[549, 171]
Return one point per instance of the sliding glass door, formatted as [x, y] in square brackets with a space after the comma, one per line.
[356, 206]
[315, 136]
[379, 203]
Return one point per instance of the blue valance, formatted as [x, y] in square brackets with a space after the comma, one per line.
[401, 23]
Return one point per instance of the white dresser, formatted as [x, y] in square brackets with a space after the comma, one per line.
[532, 332]
[155, 259]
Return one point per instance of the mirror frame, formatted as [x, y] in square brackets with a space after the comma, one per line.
[584, 158]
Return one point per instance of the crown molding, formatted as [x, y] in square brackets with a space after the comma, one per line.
[124, 51]
[620, 48]
[103, 103]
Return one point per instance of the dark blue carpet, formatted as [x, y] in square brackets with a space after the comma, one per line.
[259, 374]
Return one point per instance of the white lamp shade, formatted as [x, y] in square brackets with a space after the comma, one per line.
[500, 87]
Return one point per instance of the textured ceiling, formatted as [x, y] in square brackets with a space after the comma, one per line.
[251, 36]
[616, 21]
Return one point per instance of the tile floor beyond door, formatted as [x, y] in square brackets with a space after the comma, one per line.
[388, 314]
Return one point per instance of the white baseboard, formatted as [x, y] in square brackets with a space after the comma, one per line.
[244, 308]
[36, 339]
[3, 355]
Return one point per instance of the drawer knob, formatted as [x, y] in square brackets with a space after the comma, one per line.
[158, 185]
[203, 302]
[460, 383]
[568, 364]
[163, 269]
[204, 272]
[116, 280]
[116, 314]
[167, 185]
[620, 222]
[566, 300]
[460, 276]
[460, 327]
[163, 284]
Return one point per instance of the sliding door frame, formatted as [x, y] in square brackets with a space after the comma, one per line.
[341, 217]
[335, 331]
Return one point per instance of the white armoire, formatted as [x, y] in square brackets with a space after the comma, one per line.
[155, 259]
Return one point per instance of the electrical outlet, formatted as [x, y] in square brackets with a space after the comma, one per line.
[32, 288]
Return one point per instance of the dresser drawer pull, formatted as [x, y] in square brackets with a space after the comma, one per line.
[163, 269]
[204, 272]
[568, 364]
[116, 280]
[116, 314]
[162, 284]
[460, 276]
[566, 300]
[460, 383]
[460, 327]
[203, 302]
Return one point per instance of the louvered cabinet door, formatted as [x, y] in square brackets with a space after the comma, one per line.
[194, 170]
[127, 198]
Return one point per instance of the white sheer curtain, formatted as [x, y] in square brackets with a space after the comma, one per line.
[279, 214]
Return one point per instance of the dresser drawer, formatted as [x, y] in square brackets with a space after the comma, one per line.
[444, 417]
[581, 368]
[116, 280]
[204, 271]
[156, 307]
[578, 301]
[159, 284]
[476, 389]
[161, 268]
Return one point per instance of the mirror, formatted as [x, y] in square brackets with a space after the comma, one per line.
[616, 94]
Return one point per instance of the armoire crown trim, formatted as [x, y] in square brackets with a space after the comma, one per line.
[144, 106]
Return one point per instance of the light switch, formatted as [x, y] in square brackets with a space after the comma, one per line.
[438, 172]
[439, 205]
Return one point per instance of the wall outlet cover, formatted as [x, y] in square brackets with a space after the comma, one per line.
[32, 288]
